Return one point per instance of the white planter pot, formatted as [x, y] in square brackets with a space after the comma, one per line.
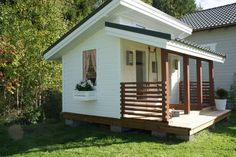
[220, 104]
[85, 95]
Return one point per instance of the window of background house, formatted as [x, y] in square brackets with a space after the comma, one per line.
[90, 66]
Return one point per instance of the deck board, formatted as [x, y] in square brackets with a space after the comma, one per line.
[198, 120]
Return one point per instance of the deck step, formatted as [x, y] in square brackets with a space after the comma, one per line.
[208, 108]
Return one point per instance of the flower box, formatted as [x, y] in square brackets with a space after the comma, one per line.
[85, 95]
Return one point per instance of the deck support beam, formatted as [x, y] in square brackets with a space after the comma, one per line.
[211, 80]
[199, 84]
[186, 84]
[165, 86]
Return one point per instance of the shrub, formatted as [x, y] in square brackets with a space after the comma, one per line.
[232, 97]
[30, 116]
[51, 104]
[221, 93]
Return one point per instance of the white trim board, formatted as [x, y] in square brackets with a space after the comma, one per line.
[163, 43]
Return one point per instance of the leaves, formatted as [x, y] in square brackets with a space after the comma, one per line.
[176, 8]
[28, 28]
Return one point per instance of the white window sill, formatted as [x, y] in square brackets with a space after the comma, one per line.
[85, 95]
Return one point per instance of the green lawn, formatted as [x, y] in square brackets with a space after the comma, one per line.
[56, 139]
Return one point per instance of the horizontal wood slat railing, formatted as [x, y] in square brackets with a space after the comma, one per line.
[193, 92]
[141, 100]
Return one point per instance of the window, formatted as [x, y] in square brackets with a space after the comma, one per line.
[154, 67]
[90, 66]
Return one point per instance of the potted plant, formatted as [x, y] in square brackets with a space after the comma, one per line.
[85, 91]
[221, 99]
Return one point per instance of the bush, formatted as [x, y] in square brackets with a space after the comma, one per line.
[221, 93]
[51, 104]
[232, 97]
[30, 116]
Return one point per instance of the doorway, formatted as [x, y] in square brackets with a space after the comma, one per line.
[140, 72]
[140, 66]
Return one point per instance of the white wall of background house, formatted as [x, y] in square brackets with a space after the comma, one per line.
[221, 40]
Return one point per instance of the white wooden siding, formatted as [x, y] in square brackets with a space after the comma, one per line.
[222, 40]
[129, 71]
[108, 76]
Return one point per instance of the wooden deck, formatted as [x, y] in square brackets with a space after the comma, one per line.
[198, 120]
[185, 125]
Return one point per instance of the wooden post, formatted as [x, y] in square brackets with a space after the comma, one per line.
[199, 84]
[165, 85]
[186, 85]
[211, 80]
[122, 97]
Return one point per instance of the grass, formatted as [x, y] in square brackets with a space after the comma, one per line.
[56, 139]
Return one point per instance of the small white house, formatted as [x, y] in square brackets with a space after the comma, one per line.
[132, 53]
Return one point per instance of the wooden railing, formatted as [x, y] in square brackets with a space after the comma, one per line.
[141, 100]
[193, 92]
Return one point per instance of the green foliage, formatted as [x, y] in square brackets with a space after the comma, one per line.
[52, 104]
[176, 8]
[30, 116]
[27, 28]
[76, 10]
[232, 97]
[147, 1]
[9, 62]
[35, 24]
[221, 93]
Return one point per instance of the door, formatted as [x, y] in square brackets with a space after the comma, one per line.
[140, 66]
[140, 71]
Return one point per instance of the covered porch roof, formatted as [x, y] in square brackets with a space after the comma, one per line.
[163, 40]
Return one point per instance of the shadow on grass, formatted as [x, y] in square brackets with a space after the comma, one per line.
[56, 136]
[226, 127]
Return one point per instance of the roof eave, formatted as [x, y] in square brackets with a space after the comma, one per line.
[193, 51]
[214, 27]
[157, 14]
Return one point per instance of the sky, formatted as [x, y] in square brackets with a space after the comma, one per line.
[214, 3]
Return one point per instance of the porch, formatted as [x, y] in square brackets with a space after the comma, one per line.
[151, 100]
[146, 105]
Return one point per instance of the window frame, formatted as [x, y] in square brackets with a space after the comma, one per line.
[83, 62]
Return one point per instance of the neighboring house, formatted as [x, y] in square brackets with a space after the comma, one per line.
[215, 28]
[132, 52]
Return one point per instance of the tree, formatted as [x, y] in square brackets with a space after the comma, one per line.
[148, 1]
[76, 10]
[176, 8]
[27, 28]
[35, 25]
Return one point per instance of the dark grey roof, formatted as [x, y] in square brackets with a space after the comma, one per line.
[211, 18]
[192, 44]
